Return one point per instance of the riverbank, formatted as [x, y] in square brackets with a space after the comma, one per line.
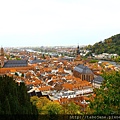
[111, 62]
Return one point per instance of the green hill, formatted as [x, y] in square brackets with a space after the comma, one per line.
[110, 45]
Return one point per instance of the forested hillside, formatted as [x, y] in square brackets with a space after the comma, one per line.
[110, 45]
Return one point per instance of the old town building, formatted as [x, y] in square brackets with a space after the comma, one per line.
[83, 72]
[2, 57]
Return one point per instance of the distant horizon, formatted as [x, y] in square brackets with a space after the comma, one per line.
[75, 45]
[34, 23]
[44, 46]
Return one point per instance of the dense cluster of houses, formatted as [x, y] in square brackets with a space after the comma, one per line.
[60, 79]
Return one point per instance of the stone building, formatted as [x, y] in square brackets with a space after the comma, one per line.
[97, 82]
[11, 63]
[2, 57]
[83, 72]
[78, 57]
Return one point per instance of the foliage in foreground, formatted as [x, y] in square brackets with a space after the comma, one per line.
[107, 100]
[14, 99]
[47, 107]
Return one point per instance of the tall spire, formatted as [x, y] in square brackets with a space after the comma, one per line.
[78, 51]
[2, 51]
[78, 57]
[2, 57]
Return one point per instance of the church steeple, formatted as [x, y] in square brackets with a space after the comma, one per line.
[2, 51]
[78, 50]
[78, 57]
[2, 57]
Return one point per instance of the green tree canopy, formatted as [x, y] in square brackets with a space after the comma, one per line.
[45, 106]
[110, 45]
[107, 100]
[14, 98]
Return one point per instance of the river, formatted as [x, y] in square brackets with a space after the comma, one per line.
[111, 62]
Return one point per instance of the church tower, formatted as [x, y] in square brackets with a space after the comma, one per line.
[78, 51]
[78, 57]
[2, 57]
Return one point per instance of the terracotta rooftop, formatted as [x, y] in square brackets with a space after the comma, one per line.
[46, 88]
[67, 86]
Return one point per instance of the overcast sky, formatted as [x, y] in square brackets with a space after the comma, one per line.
[57, 22]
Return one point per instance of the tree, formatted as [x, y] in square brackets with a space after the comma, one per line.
[16, 74]
[43, 56]
[7, 109]
[14, 98]
[41, 103]
[109, 45]
[53, 108]
[22, 75]
[45, 106]
[34, 100]
[71, 108]
[107, 100]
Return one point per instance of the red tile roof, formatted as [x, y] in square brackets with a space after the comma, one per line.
[45, 88]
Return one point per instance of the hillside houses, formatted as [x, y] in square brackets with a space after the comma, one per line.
[61, 80]
[54, 79]
[83, 72]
